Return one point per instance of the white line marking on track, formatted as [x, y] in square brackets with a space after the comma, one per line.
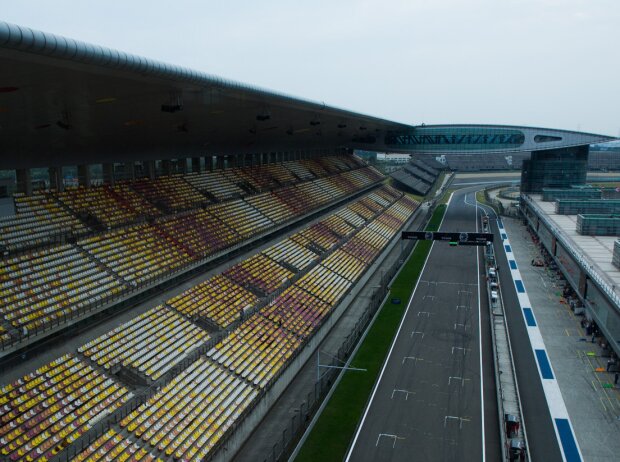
[406, 392]
[387, 360]
[387, 435]
[480, 339]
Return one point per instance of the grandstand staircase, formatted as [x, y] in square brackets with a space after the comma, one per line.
[12, 331]
[247, 187]
[211, 197]
[130, 376]
[124, 203]
[102, 265]
[90, 220]
[169, 237]
[288, 266]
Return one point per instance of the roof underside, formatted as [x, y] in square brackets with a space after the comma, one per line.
[65, 102]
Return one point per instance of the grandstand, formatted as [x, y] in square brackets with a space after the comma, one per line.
[97, 266]
[306, 275]
[159, 314]
[417, 176]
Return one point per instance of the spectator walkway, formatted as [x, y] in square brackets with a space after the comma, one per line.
[587, 388]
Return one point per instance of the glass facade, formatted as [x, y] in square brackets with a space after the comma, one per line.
[616, 258]
[606, 315]
[554, 168]
[546, 237]
[549, 195]
[458, 139]
[575, 207]
[598, 225]
[571, 268]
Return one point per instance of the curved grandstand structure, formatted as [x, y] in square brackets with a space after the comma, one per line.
[158, 312]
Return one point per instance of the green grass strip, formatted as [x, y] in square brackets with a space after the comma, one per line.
[334, 429]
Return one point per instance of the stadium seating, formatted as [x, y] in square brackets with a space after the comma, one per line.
[52, 407]
[298, 170]
[348, 215]
[189, 416]
[218, 299]
[46, 286]
[319, 235]
[215, 184]
[201, 233]
[314, 167]
[291, 254]
[39, 220]
[5, 337]
[137, 254]
[272, 207]
[109, 206]
[338, 226]
[256, 350]
[114, 446]
[345, 265]
[151, 344]
[297, 311]
[324, 284]
[241, 217]
[259, 272]
[362, 210]
[308, 194]
[170, 193]
[44, 218]
[265, 177]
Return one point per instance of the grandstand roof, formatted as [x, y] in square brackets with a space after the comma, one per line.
[63, 101]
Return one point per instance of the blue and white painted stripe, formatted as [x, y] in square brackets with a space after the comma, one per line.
[557, 408]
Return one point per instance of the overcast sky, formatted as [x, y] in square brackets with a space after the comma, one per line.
[550, 63]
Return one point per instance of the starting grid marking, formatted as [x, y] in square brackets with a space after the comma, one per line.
[387, 435]
[564, 431]
[460, 420]
[464, 350]
[457, 379]
[412, 358]
[406, 392]
[447, 282]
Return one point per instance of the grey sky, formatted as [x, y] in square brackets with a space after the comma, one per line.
[551, 63]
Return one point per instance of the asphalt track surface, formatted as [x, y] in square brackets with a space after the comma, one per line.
[428, 404]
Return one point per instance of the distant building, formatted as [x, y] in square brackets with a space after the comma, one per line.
[396, 158]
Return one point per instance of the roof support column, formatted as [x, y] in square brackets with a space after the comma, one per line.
[55, 174]
[108, 173]
[149, 169]
[165, 167]
[130, 170]
[24, 181]
[181, 165]
[219, 162]
[196, 165]
[84, 175]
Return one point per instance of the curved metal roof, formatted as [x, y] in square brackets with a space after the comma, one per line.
[63, 102]
[66, 102]
[478, 138]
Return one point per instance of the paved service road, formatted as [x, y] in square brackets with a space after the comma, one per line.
[427, 405]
